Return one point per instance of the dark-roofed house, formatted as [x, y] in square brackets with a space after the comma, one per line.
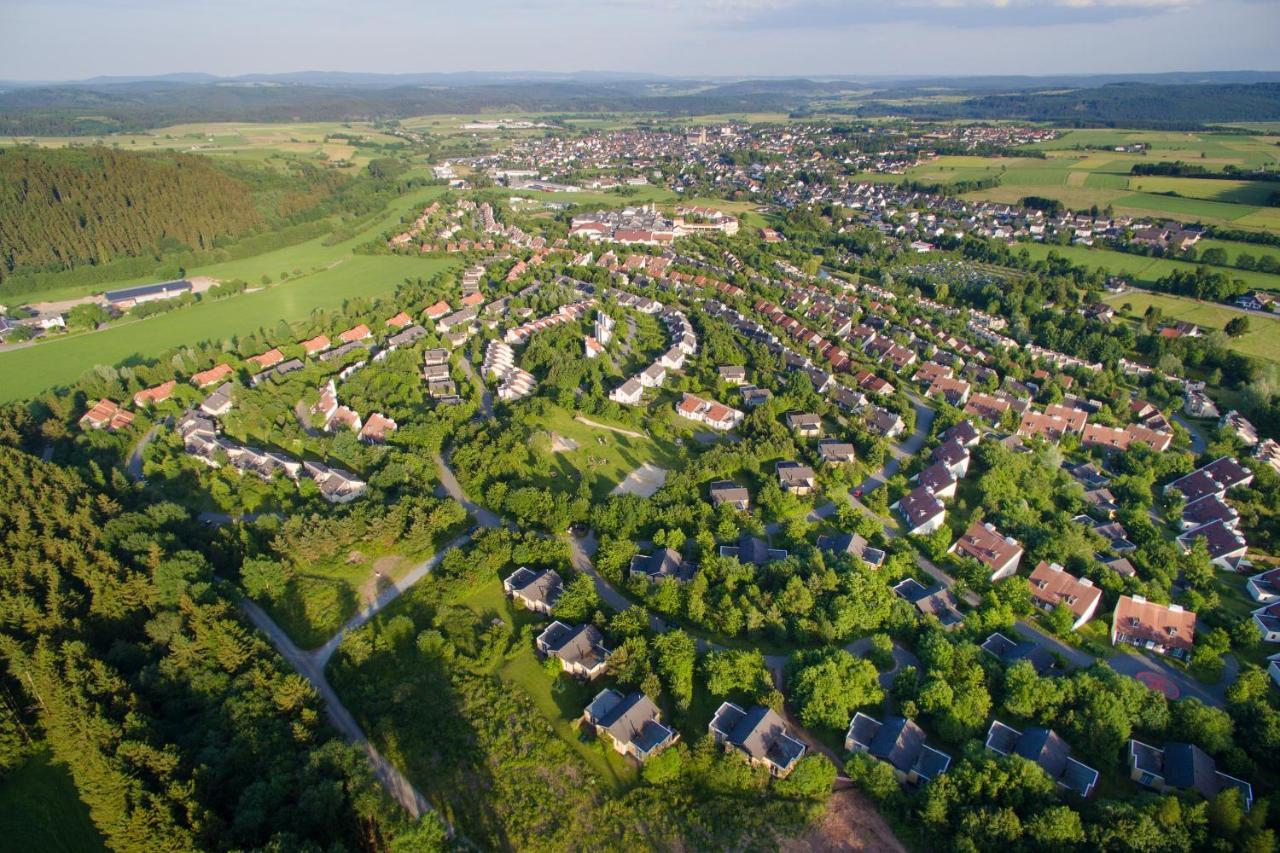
[537, 591]
[1206, 510]
[923, 512]
[999, 554]
[1045, 748]
[898, 742]
[934, 601]
[964, 433]
[729, 492]
[632, 723]
[733, 374]
[834, 452]
[854, 545]
[1184, 766]
[130, 296]
[805, 424]
[885, 422]
[1265, 586]
[1217, 478]
[1267, 618]
[580, 649]
[796, 478]
[759, 734]
[753, 550]
[939, 480]
[1009, 652]
[1227, 548]
[667, 564]
[954, 455]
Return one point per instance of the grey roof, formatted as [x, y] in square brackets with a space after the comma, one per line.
[667, 563]
[901, 743]
[583, 644]
[1010, 652]
[760, 733]
[632, 719]
[180, 285]
[853, 544]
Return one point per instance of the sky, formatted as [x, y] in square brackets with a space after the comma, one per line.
[75, 39]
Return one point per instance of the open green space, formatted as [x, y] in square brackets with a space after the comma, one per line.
[1234, 249]
[1261, 341]
[1140, 269]
[603, 455]
[40, 810]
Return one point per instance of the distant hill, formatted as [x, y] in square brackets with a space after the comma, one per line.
[69, 207]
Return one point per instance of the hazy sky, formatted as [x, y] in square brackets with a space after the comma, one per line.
[69, 39]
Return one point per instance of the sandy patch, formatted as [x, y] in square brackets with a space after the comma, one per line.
[851, 823]
[560, 444]
[386, 570]
[643, 481]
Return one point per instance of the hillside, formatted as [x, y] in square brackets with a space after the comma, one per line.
[66, 208]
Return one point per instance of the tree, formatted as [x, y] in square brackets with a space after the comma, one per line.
[676, 653]
[734, 671]
[264, 579]
[828, 685]
[1236, 326]
[579, 602]
[666, 767]
[428, 835]
[810, 779]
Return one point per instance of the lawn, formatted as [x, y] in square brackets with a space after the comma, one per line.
[40, 810]
[1234, 249]
[27, 371]
[607, 456]
[1261, 341]
[1142, 270]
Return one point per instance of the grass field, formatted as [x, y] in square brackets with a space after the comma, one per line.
[40, 810]
[1261, 341]
[1140, 269]
[606, 456]
[1234, 249]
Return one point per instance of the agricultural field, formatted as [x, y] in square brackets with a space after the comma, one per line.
[1140, 269]
[41, 810]
[1234, 249]
[1261, 341]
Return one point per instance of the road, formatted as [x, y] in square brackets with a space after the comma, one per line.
[486, 396]
[483, 517]
[1214, 695]
[1198, 444]
[134, 466]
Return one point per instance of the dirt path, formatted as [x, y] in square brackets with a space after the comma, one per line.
[851, 823]
[619, 430]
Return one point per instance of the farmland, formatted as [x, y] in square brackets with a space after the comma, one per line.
[1141, 269]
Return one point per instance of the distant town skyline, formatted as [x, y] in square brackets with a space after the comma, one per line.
[77, 39]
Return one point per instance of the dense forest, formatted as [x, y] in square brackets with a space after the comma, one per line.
[70, 207]
[182, 729]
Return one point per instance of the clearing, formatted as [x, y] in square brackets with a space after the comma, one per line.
[850, 824]
[643, 481]
[40, 809]
[606, 453]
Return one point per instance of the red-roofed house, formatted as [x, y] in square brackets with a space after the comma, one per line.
[356, 333]
[158, 394]
[473, 299]
[212, 376]
[1051, 586]
[1168, 630]
[105, 415]
[376, 428]
[435, 312]
[399, 321]
[319, 343]
[984, 543]
[270, 358]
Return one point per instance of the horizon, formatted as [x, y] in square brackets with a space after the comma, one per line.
[734, 39]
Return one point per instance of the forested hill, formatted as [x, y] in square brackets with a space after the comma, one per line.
[68, 207]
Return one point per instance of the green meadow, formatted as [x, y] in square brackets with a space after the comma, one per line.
[1142, 270]
[1261, 341]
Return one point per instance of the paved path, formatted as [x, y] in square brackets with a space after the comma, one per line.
[483, 517]
[1134, 665]
[1198, 443]
[1073, 656]
[486, 396]
[134, 466]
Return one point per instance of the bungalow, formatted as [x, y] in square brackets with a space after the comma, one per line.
[898, 742]
[1052, 586]
[934, 601]
[999, 554]
[760, 735]
[848, 399]
[923, 512]
[105, 414]
[399, 321]
[128, 297]
[752, 550]
[458, 321]
[1227, 548]
[1182, 766]
[218, 403]
[438, 310]
[1008, 652]
[212, 376]
[632, 723]
[155, 394]
[806, 425]
[795, 478]
[726, 491]
[1047, 749]
[263, 360]
[375, 429]
[319, 343]
[834, 452]
[336, 486]
[580, 649]
[1264, 587]
[732, 374]
[1267, 618]
[753, 397]
[853, 545]
[1159, 628]
[1121, 566]
[537, 591]
[628, 393]
[884, 422]
[667, 564]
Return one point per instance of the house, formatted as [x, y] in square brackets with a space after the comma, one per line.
[898, 742]
[1000, 554]
[628, 393]
[156, 394]
[1207, 510]
[934, 601]
[1267, 618]
[438, 310]
[375, 429]
[653, 376]
[753, 397]
[884, 422]
[1264, 587]
[1240, 427]
[732, 374]
[1102, 503]
[1009, 652]
[218, 403]
[760, 735]
[212, 376]
[854, 545]
[537, 591]
[964, 433]
[1182, 766]
[1052, 586]
[1166, 629]
[939, 481]
[1047, 749]
[752, 550]
[1273, 667]
[806, 425]
[795, 478]
[336, 486]
[954, 456]
[1046, 426]
[834, 452]
[105, 414]
[1217, 478]
[399, 321]
[632, 723]
[318, 344]
[580, 649]
[1121, 566]
[725, 491]
[954, 391]
[1227, 548]
[263, 360]
[667, 564]
[1122, 438]
[923, 512]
